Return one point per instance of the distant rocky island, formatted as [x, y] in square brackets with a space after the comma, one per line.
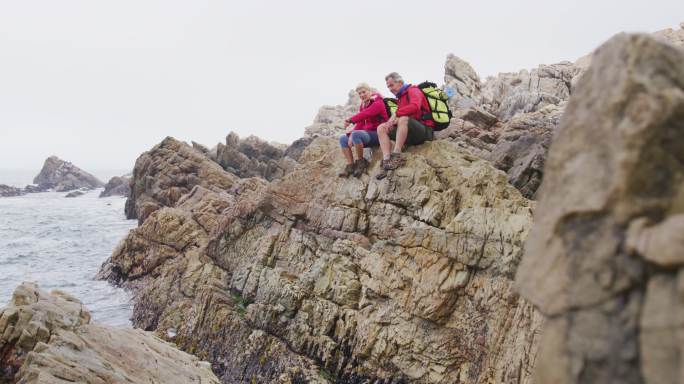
[536, 240]
[62, 176]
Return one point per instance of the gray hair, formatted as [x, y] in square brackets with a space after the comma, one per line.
[394, 76]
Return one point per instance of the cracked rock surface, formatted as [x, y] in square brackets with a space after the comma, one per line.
[314, 278]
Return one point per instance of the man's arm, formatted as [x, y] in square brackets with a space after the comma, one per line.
[415, 95]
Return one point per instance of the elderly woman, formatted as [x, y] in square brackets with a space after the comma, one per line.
[364, 133]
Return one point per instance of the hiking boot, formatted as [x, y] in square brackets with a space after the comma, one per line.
[395, 161]
[382, 173]
[360, 167]
[348, 170]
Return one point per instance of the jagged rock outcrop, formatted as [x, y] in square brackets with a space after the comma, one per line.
[117, 186]
[62, 176]
[508, 94]
[329, 121]
[461, 83]
[253, 157]
[48, 338]
[672, 36]
[604, 260]
[9, 191]
[314, 278]
[168, 171]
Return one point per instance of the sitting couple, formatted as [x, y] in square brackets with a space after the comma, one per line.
[373, 126]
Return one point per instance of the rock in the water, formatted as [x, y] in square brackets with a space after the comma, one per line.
[48, 339]
[117, 186]
[75, 194]
[62, 176]
[9, 191]
[408, 279]
[253, 157]
[604, 260]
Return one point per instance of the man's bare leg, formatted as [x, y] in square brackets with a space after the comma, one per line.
[402, 133]
[385, 142]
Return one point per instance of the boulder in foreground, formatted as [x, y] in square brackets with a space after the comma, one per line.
[605, 258]
[47, 338]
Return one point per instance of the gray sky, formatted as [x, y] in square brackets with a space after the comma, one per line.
[98, 82]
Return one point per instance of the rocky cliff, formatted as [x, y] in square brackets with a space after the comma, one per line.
[63, 176]
[300, 276]
[604, 259]
[408, 279]
[48, 339]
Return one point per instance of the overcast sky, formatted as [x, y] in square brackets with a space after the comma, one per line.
[99, 82]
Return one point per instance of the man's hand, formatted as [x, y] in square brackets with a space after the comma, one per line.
[349, 130]
[392, 121]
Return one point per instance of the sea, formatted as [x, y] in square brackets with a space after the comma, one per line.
[60, 243]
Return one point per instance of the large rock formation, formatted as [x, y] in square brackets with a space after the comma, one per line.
[168, 171]
[605, 258]
[48, 339]
[63, 176]
[117, 186]
[314, 278]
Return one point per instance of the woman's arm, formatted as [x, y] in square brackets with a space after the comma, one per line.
[373, 110]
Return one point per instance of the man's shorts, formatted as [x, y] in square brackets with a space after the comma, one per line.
[418, 133]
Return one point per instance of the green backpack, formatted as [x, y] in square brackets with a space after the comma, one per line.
[439, 108]
[391, 106]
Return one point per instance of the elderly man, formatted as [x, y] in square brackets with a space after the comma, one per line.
[412, 124]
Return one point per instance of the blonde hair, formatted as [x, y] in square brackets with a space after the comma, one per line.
[363, 86]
